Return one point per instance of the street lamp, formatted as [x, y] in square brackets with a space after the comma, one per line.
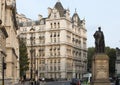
[31, 52]
[37, 68]
[46, 68]
[2, 55]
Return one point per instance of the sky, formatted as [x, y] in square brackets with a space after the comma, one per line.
[103, 13]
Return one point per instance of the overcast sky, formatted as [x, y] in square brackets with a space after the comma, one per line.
[104, 13]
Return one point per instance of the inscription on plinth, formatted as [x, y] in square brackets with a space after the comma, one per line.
[100, 70]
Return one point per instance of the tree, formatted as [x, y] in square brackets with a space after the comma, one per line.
[111, 52]
[91, 51]
[112, 57]
[24, 61]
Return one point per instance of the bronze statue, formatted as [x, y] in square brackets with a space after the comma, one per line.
[99, 41]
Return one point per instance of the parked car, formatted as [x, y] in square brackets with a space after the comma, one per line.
[75, 81]
[58, 83]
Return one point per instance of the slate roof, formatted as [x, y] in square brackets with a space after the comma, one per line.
[76, 15]
[60, 8]
[30, 23]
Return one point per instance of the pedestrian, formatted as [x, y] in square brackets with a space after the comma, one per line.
[117, 81]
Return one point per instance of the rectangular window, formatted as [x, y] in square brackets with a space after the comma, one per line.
[58, 25]
[51, 25]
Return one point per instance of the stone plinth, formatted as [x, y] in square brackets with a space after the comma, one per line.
[100, 70]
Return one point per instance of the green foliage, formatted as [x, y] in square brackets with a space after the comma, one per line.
[111, 52]
[112, 57]
[24, 64]
[91, 51]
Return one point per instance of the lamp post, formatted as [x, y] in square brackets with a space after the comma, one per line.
[46, 68]
[3, 66]
[31, 52]
[37, 68]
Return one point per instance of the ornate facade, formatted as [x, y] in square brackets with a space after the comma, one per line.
[58, 42]
[3, 36]
[8, 16]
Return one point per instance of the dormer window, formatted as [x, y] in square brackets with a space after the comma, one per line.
[76, 18]
[55, 15]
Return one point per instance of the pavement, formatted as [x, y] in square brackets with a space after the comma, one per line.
[28, 83]
[23, 83]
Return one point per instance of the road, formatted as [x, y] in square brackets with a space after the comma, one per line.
[58, 83]
[48, 83]
[25, 83]
[52, 83]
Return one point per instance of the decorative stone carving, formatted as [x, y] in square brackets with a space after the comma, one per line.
[11, 4]
[101, 68]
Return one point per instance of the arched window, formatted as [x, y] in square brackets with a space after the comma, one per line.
[51, 35]
[55, 34]
[54, 25]
[51, 25]
[58, 25]
[58, 34]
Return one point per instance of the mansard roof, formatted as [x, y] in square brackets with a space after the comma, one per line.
[60, 8]
[78, 20]
[30, 23]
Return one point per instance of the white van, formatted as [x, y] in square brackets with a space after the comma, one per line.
[87, 78]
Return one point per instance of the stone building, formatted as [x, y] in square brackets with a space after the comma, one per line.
[117, 63]
[58, 44]
[8, 16]
[3, 36]
[22, 18]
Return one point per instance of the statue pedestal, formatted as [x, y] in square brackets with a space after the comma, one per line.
[100, 69]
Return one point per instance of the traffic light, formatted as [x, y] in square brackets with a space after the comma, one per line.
[4, 65]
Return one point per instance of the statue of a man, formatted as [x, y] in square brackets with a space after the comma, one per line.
[99, 41]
